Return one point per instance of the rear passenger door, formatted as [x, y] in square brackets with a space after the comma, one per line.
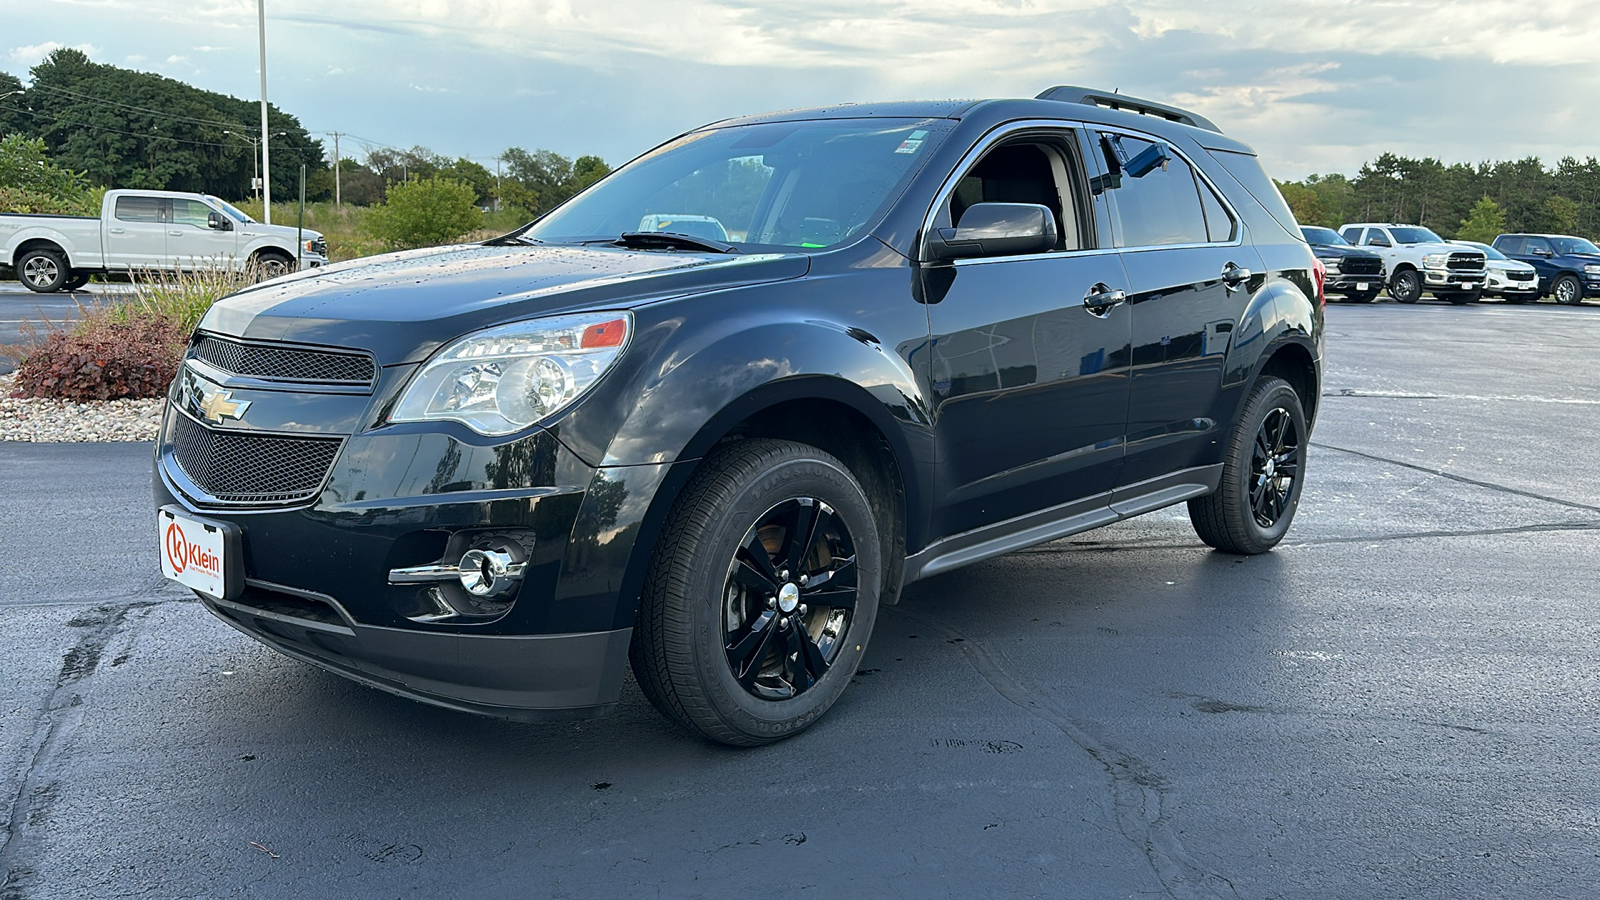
[1191, 275]
[136, 235]
[1029, 384]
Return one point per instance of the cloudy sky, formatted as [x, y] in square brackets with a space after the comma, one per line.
[1315, 85]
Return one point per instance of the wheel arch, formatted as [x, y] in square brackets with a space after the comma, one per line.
[1294, 363]
[39, 243]
[825, 412]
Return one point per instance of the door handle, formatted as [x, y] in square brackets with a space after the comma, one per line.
[1234, 275]
[175, 233]
[1101, 299]
[118, 230]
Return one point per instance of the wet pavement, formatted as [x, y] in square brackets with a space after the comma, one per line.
[1400, 701]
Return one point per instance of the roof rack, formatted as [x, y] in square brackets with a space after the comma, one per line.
[1067, 93]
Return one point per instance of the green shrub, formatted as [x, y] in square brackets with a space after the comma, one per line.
[31, 183]
[182, 297]
[424, 213]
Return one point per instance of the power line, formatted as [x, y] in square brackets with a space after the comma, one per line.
[54, 120]
[143, 109]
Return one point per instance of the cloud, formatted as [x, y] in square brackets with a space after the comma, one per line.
[28, 57]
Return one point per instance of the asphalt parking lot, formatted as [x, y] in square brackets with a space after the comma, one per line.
[1398, 702]
[24, 314]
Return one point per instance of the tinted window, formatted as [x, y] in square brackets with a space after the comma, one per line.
[1247, 169]
[1219, 222]
[1163, 207]
[1537, 244]
[1574, 245]
[1376, 238]
[1411, 235]
[1353, 235]
[191, 212]
[1025, 171]
[139, 209]
[1512, 244]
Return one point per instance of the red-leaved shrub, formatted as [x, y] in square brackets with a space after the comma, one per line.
[102, 359]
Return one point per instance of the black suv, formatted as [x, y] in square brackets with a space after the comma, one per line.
[713, 412]
[1352, 273]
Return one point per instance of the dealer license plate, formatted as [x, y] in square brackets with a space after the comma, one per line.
[1469, 285]
[193, 551]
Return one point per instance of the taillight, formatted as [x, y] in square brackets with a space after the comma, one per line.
[1320, 273]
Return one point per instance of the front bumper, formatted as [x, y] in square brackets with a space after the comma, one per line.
[1501, 286]
[316, 577]
[1454, 279]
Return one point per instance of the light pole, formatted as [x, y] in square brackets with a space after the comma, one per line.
[255, 180]
[266, 160]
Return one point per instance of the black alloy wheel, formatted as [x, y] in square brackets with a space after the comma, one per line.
[1406, 286]
[761, 594]
[1567, 290]
[1262, 475]
[43, 271]
[791, 591]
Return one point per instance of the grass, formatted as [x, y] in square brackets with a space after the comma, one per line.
[345, 226]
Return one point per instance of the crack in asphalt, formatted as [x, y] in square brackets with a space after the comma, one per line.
[1141, 795]
[58, 718]
[1504, 489]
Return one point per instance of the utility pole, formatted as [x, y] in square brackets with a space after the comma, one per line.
[337, 199]
[497, 161]
[266, 159]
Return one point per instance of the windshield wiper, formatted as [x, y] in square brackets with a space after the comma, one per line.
[673, 241]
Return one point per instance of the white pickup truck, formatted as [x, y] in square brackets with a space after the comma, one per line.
[1418, 260]
[139, 230]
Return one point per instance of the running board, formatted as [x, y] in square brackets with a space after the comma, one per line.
[1060, 521]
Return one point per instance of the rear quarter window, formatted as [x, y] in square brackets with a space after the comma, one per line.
[1247, 170]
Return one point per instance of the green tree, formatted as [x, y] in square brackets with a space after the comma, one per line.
[424, 213]
[30, 182]
[1484, 223]
[1560, 215]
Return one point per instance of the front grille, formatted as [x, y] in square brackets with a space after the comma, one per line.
[1466, 262]
[238, 467]
[1521, 276]
[1361, 265]
[320, 246]
[286, 363]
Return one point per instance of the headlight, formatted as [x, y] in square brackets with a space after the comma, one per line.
[1434, 260]
[311, 246]
[1332, 265]
[505, 379]
[1591, 269]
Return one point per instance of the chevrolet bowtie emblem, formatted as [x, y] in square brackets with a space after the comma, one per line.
[218, 404]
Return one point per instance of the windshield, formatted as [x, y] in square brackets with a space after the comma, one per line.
[1574, 245]
[1413, 235]
[1314, 235]
[230, 209]
[772, 186]
[1488, 251]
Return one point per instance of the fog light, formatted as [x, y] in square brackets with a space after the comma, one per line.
[489, 573]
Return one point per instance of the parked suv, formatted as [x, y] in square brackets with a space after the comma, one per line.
[489, 477]
[1352, 273]
[1509, 279]
[1568, 266]
[1420, 260]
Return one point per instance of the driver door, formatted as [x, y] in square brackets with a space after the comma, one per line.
[1029, 386]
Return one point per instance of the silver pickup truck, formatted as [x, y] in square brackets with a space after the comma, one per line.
[139, 230]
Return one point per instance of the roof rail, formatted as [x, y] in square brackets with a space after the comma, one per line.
[1090, 97]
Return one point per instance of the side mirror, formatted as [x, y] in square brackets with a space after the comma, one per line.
[218, 222]
[995, 229]
[1545, 252]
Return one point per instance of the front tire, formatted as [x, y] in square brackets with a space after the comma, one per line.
[271, 264]
[1263, 469]
[761, 594]
[1362, 296]
[1406, 287]
[1567, 290]
[43, 271]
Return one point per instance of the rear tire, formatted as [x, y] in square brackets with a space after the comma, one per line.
[76, 282]
[1263, 469]
[43, 271]
[1406, 286]
[761, 594]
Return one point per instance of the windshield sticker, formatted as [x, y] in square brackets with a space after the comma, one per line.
[913, 143]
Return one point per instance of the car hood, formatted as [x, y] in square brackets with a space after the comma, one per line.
[1580, 258]
[1338, 251]
[287, 232]
[403, 306]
